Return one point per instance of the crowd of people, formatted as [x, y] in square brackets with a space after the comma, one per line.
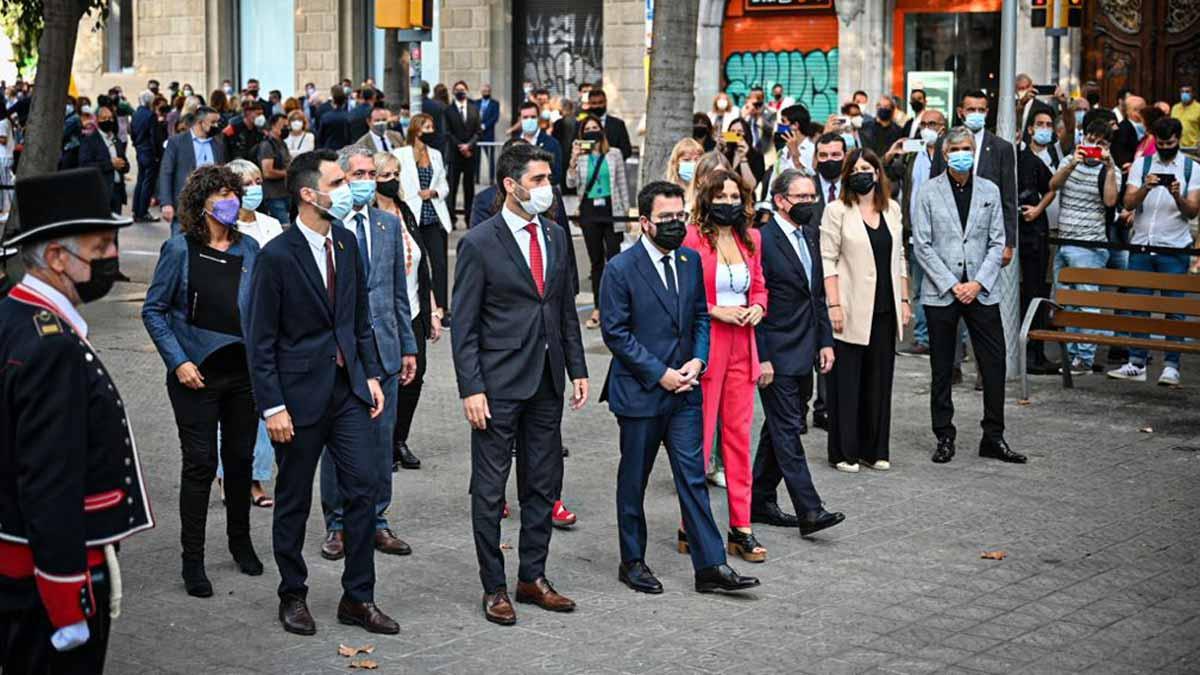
[307, 269]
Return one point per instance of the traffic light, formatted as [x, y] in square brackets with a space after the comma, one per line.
[1040, 12]
[421, 14]
[1074, 13]
[394, 13]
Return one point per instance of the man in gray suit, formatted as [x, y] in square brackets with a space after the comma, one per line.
[379, 138]
[381, 247]
[958, 239]
[200, 146]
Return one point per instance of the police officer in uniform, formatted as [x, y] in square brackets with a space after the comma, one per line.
[71, 486]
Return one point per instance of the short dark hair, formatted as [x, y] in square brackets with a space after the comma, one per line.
[1099, 127]
[514, 162]
[528, 103]
[204, 111]
[857, 92]
[275, 117]
[973, 93]
[251, 104]
[653, 189]
[916, 90]
[462, 82]
[1167, 128]
[848, 105]
[200, 184]
[366, 94]
[251, 81]
[540, 91]
[831, 137]
[597, 92]
[798, 115]
[305, 171]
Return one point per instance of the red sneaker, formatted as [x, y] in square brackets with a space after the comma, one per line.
[505, 514]
[561, 517]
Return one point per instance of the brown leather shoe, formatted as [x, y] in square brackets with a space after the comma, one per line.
[542, 594]
[334, 547]
[295, 617]
[387, 542]
[367, 615]
[497, 608]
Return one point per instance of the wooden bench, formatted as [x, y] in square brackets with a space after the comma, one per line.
[1068, 305]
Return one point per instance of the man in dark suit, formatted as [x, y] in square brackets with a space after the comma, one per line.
[654, 319]
[489, 117]
[198, 147]
[794, 337]
[142, 132]
[463, 129]
[614, 127]
[360, 114]
[515, 333]
[316, 372]
[531, 132]
[106, 151]
[435, 110]
[334, 132]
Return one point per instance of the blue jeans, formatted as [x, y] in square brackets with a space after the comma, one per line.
[1085, 258]
[277, 208]
[381, 442]
[1166, 264]
[916, 275]
[264, 456]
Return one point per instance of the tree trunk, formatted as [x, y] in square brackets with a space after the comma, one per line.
[56, 51]
[672, 77]
[395, 69]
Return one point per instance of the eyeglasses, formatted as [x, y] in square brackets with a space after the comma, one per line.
[804, 198]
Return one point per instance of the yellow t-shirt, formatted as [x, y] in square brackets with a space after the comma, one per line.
[1189, 115]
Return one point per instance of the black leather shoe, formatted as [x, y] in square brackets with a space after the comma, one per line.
[639, 577]
[821, 420]
[978, 381]
[998, 449]
[245, 557]
[566, 451]
[803, 430]
[404, 457]
[771, 514]
[818, 520]
[367, 615]
[295, 617]
[334, 546]
[722, 578]
[195, 581]
[944, 452]
[957, 377]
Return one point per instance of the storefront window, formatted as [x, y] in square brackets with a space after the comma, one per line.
[966, 44]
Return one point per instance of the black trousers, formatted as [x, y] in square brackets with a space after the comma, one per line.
[144, 189]
[780, 453]
[437, 243]
[1034, 252]
[25, 647]
[818, 404]
[226, 400]
[409, 395]
[536, 425]
[860, 394]
[344, 430]
[987, 339]
[600, 238]
[460, 171]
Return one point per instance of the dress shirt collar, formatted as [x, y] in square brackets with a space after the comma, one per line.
[655, 254]
[197, 139]
[350, 222]
[788, 229]
[514, 222]
[315, 239]
[60, 302]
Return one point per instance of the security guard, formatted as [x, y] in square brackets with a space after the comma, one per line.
[71, 485]
[5, 282]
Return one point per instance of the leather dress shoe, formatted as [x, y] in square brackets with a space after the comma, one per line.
[404, 457]
[818, 520]
[539, 592]
[998, 449]
[497, 608]
[387, 542]
[295, 617]
[944, 452]
[367, 615]
[195, 581]
[722, 578]
[638, 576]
[245, 557]
[334, 546]
[771, 514]
[821, 420]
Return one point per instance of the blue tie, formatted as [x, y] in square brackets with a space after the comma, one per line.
[669, 273]
[805, 256]
[364, 252]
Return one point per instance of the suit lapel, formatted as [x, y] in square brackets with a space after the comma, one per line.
[974, 209]
[345, 280]
[304, 258]
[646, 267]
[548, 255]
[947, 191]
[379, 235]
[509, 243]
[785, 247]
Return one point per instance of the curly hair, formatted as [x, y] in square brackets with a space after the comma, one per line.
[711, 186]
[201, 184]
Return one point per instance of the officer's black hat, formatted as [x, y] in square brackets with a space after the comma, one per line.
[62, 204]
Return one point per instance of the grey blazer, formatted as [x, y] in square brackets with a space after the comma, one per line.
[178, 162]
[944, 250]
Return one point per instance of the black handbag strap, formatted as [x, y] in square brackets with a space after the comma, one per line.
[595, 176]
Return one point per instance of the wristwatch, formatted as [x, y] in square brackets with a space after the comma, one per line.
[439, 313]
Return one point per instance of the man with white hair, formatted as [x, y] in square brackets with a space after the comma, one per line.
[142, 131]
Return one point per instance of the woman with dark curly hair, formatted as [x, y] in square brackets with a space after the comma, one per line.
[730, 255]
[193, 312]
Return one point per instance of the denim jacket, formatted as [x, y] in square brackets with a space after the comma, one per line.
[164, 312]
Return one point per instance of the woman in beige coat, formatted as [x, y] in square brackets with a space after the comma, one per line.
[866, 287]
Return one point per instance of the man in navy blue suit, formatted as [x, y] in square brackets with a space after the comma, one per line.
[654, 319]
[793, 336]
[533, 134]
[489, 116]
[316, 372]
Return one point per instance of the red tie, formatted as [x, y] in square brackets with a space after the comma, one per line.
[535, 258]
[832, 194]
[331, 288]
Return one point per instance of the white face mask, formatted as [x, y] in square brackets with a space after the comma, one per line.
[930, 136]
[856, 121]
[722, 104]
[296, 125]
[540, 199]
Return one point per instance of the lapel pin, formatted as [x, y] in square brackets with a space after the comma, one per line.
[341, 247]
[683, 257]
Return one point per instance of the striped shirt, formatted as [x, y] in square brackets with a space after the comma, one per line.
[1081, 205]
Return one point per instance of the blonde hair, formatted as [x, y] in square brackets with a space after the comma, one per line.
[685, 145]
[382, 159]
[244, 168]
[708, 163]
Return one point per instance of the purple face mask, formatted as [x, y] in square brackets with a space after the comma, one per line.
[225, 211]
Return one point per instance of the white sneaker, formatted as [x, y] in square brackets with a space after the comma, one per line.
[717, 477]
[1079, 367]
[1129, 372]
[881, 465]
[1169, 377]
[846, 466]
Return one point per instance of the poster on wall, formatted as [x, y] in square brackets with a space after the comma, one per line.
[938, 86]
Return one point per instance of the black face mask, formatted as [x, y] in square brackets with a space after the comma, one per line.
[1167, 154]
[108, 126]
[428, 138]
[105, 272]
[801, 214]
[916, 106]
[727, 214]
[460, 95]
[883, 114]
[669, 235]
[598, 111]
[861, 183]
[592, 136]
[486, 97]
[1093, 98]
[699, 133]
[778, 96]
[388, 188]
[830, 169]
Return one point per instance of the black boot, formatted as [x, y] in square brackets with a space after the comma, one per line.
[195, 581]
[245, 557]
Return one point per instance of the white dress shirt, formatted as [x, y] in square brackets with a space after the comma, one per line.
[110, 143]
[351, 223]
[1159, 222]
[516, 225]
[978, 149]
[264, 228]
[409, 247]
[381, 144]
[60, 302]
[807, 150]
[789, 232]
[824, 186]
[316, 246]
[656, 258]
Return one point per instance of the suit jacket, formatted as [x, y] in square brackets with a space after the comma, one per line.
[546, 142]
[394, 139]
[944, 250]
[178, 162]
[484, 207]
[293, 334]
[489, 117]
[359, 120]
[797, 327]
[648, 333]
[617, 135]
[847, 253]
[334, 133]
[502, 331]
[459, 131]
[142, 132]
[93, 152]
[998, 164]
[387, 290]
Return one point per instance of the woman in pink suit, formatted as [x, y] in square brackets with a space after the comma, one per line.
[729, 251]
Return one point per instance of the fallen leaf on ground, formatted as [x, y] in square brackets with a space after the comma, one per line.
[1146, 430]
[994, 555]
[505, 547]
[345, 650]
[365, 664]
[1024, 401]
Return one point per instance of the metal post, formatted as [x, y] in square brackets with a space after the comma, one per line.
[1054, 54]
[1010, 277]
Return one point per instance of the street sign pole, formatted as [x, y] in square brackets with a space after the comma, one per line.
[1010, 286]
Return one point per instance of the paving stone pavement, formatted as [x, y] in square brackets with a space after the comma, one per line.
[1100, 531]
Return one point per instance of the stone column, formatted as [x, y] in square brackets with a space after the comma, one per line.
[708, 53]
[864, 55]
[624, 51]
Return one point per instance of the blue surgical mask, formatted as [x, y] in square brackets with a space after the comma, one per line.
[529, 125]
[851, 142]
[341, 201]
[1079, 117]
[975, 120]
[961, 160]
[363, 191]
[687, 169]
[70, 109]
[1043, 136]
[1185, 97]
[1140, 129]
[252, 196]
